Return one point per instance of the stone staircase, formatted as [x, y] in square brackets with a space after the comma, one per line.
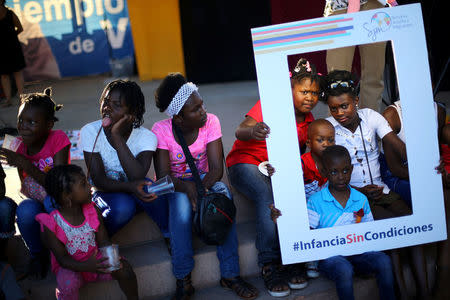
[142, 244]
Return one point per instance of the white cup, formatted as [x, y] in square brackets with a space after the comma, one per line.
[112, 253]
[161, 186]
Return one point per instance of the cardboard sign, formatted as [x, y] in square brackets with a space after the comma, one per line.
[403, 26]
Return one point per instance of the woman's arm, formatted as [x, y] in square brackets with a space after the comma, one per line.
[250, 129]
[23, 164]
[214, 151]
[101, 236]
[65, 260]
[97, 173]
[395, 154]
[137, 167]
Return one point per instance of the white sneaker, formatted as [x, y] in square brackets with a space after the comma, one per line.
[312, 270]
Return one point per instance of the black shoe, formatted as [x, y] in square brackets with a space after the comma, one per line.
[185, 289]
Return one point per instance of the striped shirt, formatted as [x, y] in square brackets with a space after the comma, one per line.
[325, 211]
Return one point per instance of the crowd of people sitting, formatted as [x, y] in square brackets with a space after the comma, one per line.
[354, 160]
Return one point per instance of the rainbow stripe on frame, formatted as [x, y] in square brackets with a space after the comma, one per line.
[300, 34]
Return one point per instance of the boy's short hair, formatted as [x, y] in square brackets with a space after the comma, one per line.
[335, 152]
[319, 122]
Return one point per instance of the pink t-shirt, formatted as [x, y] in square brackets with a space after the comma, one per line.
[179, 167]
[79, 240]
[55, 142]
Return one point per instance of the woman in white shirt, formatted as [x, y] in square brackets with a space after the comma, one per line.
[121, 158]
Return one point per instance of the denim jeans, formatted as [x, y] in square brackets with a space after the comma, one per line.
[340, 269]
[248, 180]
[400, 186]
[124, 206]
[29, 228]
[180, 225]
[7, 218]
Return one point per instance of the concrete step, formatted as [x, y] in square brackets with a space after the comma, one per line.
[152, 265]
[317, 289]
[153, 268]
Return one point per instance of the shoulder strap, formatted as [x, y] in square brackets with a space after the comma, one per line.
[190, 161]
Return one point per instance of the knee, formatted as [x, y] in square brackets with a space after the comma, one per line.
[339, 268]
[123, 209]
[68, 281]
[383, 265]
[7, 207]
[27, 211]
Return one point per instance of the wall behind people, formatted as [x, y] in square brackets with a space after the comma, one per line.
[72, 38]
[216, 38]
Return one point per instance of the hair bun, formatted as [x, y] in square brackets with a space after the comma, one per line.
[303, 65]
[48, 91]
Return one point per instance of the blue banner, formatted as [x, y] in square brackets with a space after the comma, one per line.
[72, 37]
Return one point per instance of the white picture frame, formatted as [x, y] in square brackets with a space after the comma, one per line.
[403, 26]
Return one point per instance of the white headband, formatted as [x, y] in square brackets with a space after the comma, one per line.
[180, 98]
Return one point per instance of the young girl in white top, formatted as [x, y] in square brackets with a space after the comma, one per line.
[121, 158]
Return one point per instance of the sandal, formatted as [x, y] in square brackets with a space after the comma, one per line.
[273, 277]
[312, 269]
[242, 288]
[297, 279]
[185, 289]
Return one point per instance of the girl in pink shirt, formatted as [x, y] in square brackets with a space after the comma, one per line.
[40, 149]
[74, 232]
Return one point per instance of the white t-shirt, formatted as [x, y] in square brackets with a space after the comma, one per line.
[141, 139]
[373, 125]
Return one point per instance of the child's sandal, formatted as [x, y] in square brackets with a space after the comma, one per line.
[297, 279]
[242, 288]
[274, 277]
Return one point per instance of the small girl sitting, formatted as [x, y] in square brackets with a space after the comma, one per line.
[250, 150]
[41, 149]
[74, 232]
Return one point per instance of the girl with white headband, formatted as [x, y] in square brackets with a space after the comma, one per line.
[181, 101]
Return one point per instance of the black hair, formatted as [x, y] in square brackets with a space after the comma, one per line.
[43, 101]
[337, 76]
[60, 179]
[305, 70]
[168, 89]
[132, 94]
[318, 122]
[335, 152]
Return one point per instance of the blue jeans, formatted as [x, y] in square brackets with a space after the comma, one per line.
[29, 228]
[400, 186]
[248, 180]
[180, 225]
[7, 218]
[340, 269]
[124, 206]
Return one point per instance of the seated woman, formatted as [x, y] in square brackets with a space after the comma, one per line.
[118, 153]
[202, 133]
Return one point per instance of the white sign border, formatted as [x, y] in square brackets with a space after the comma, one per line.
[402, 25]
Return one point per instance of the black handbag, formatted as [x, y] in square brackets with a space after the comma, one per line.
[215, 212]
